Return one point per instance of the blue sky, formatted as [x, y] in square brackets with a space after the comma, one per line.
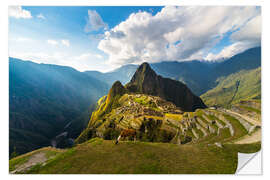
[104, 38]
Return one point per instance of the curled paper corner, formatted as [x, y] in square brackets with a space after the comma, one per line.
[249, 164]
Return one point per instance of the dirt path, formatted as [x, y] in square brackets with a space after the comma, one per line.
[254, 137]
[34, 159]
[258, 123]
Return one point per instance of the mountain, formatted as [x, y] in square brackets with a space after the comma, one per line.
[247, 60]
[245, 84]
[122, 74]
[199, 76]
[46, 100]
[147, 95]
[146, 81]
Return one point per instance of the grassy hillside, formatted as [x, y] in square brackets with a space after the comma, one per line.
[245, 84]
[98, 156]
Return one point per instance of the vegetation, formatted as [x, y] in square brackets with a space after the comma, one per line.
[44, 99]
[98, 156]
[245, 84]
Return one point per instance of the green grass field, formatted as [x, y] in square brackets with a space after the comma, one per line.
[98, 156]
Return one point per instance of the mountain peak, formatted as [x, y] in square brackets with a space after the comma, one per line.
[116, 89]
[144, 66]
[143, 72]
[146, 81]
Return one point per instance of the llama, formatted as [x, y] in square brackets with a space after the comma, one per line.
[126, 133]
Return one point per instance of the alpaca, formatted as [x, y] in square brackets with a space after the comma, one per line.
[126, 133]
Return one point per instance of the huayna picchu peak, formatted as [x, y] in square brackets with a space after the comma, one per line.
[146, 81]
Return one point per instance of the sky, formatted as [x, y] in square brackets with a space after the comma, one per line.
[104, 38]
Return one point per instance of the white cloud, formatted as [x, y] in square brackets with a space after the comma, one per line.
[81, 62]
[94, 22]
[21, 39]
[65, 42]
[52, 42]
[40, 16]
[98, 56]
[41, 57]
[175, 33]
[227, 52]
[19, 12]
[88, 56]
[250, 33]
[247, 37]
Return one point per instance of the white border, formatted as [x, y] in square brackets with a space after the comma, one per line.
[4, 78]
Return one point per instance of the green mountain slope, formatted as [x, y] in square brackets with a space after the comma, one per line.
[245, 84]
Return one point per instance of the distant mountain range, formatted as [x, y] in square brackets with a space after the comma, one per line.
[49, 100]
[199, 76]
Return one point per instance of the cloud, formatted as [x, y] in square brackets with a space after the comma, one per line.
[18, 12]
[52, 42]
[94, 22]
[81, 62]
[177, 33]
[38, 57]
[247, 37]
[98, 56]
[88, 56]
[65, 42]
[250, 33]
[40, 16]
[227, 52]
[21, 39]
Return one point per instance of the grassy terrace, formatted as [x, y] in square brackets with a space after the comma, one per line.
[98, 156]
[177, 117]
[239, 130]
[248, 108]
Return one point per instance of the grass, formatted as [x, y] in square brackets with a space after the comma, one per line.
[141, 100]
[177, 117]
[212, 117]
[239, 130]
[251, 109]
[98, 156]
[17, 161]
[226, 93]
[154, 117]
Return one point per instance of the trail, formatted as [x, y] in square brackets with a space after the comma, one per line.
[35, 159]
[235, 92]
